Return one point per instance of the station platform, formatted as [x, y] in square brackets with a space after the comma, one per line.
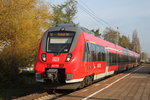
[129, 85]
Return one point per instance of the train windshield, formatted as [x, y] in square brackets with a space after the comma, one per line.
[59, 42]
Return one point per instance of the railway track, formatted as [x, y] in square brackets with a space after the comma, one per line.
[47, 95]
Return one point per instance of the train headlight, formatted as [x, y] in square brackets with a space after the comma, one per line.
[43, 57]
[68, 57]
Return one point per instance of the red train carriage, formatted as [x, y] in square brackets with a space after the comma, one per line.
[70, 54]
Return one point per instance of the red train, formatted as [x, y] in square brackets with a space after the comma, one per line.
[72, 55]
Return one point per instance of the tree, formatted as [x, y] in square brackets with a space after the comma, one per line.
[96, 32]
[22, 23]
[111, 35]
[135, 42]
[144, 57]
[65, 13]
[124, 41]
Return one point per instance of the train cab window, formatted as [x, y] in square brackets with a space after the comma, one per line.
[59, 42]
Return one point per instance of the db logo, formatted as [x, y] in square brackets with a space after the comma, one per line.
[55, 59]
[99, 66]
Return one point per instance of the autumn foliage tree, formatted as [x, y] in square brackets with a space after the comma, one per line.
[124, 41]
[135, 42]
[96, 32]
[144, 57]
[111, 35]
[22, 23]
[114, 36]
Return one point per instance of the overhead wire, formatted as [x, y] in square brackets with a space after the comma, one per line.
[90, 14]
[93, 15]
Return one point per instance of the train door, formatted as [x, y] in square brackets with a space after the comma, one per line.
[89, 59]
[107, 61]
[86, 58]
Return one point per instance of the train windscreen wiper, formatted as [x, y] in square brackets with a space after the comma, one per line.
[57, 53]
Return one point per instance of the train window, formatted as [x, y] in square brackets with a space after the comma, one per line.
[113, 59]
[97, 51]
[59, 42]
[99, 54]
[124, 59]
[120, 59]
[129, 58]
[103, 55]
[93, 52]
[109, 58]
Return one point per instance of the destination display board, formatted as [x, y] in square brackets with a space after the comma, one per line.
[61, 34]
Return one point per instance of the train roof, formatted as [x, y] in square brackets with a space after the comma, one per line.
[78, 29]
[70, 27]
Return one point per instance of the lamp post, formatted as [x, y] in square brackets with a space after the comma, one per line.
[117, 43]
[117, 36]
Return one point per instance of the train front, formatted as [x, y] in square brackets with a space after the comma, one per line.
[59, 56]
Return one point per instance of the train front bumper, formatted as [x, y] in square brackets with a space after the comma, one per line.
[69, 78]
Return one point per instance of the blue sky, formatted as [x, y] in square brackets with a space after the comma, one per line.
[128, 15]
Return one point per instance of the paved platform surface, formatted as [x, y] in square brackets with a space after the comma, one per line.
[130, 85]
